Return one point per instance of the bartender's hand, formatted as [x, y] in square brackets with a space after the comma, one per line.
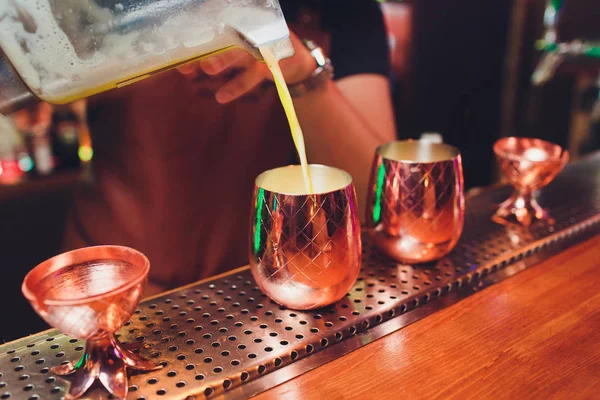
[251, 72]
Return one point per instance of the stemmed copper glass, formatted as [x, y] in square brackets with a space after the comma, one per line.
[88, 294]
[529, 164]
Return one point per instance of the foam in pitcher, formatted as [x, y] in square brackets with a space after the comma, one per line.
[49, 51]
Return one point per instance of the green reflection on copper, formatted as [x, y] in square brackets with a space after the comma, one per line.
[378, 192]
[259, 206]
[81, 361]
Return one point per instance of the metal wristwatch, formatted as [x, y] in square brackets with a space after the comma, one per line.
[320, 75]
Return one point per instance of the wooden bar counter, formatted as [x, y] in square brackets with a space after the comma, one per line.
[534, 335]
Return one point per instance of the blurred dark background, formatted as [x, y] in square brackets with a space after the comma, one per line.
[461, 69]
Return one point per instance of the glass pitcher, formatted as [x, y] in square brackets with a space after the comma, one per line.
[63, 50]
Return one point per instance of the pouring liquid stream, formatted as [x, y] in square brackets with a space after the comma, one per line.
[290, 112]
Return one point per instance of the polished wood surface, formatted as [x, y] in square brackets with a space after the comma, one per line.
[534, 335]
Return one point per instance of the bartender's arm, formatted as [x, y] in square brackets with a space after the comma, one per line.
[344, 120]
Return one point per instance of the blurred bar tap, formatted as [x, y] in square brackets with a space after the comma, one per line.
[557, 52]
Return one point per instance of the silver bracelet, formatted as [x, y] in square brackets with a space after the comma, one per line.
[319, 77]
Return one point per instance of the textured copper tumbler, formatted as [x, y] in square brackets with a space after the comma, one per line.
[305, 249]
[89, 293]
[415, 206]
[529, 164]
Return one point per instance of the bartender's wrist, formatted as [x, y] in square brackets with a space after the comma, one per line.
[320, 71]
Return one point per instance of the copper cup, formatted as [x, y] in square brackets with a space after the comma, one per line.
[305, 249]
[416, 206]
[528, 164]
[90, 293]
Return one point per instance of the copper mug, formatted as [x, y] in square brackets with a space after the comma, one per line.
[305, 249]
[416, 206]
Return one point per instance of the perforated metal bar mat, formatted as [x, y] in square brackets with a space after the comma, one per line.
[225, 338]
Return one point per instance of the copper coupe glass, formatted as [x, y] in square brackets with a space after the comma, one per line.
[416, 204]
[305, 249]
[528, 164]
[89, 293]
